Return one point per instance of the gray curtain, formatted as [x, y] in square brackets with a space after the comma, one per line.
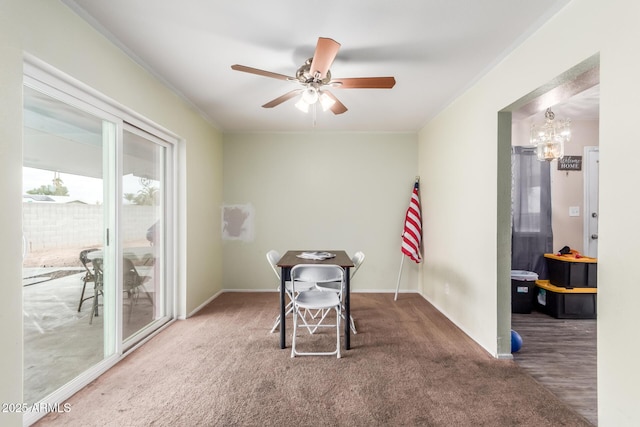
[531, 234]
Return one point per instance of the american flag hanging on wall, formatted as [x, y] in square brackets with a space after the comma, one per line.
[412, 234]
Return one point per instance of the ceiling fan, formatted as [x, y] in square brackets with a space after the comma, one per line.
[314, 76]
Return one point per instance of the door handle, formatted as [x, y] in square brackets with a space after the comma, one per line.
[594, 236]
[594, 214]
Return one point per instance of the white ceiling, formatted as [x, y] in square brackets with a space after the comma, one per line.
[435, 49]
[582, 106]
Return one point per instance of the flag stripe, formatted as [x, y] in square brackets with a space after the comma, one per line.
[412, 234]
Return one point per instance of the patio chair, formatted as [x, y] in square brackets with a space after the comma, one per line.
[98, 285]
[89, 276]
[132, 283]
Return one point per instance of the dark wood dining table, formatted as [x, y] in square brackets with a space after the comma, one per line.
[291, 259]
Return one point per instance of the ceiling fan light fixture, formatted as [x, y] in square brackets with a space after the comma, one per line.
[313, 75]
[326, 101]
[310, 95]
[302, 105]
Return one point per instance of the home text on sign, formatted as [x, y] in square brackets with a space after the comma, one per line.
[570, 163]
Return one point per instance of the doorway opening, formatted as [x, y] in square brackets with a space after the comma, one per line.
[548, 338]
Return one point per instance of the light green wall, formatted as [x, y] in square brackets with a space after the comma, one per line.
[462, 234]
[48, 30]
[320, 191]
[457, 158]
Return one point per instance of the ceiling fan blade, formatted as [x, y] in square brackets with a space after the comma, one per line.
[260, 72]
[338, 107]
[364, 83]
[326, 51]
[279, 100]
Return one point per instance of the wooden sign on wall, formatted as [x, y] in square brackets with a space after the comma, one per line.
[570, 163]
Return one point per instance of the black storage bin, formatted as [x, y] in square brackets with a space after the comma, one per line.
[523, 285]
[562, 303]
[570, 272]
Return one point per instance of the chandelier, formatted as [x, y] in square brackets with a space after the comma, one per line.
[549, 138]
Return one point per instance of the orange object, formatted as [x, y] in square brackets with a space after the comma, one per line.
[574, 256]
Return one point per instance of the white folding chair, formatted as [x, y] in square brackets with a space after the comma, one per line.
[301, 276]
[273, 257]
[357, 259]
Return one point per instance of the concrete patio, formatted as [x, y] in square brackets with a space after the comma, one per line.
[59, 341]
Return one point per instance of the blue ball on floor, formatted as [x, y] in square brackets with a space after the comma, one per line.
[516, 341]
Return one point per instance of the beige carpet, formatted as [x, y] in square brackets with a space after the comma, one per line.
[408, 366]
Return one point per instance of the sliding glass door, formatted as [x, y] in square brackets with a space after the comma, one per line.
[145, 191]
[63, 226]
[96, 225]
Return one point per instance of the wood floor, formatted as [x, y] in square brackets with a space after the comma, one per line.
[561, 354]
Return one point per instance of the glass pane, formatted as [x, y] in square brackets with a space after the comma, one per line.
[62, 218]
[143, 225]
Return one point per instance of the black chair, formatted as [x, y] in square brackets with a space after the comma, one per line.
[89, 275]
[132, 282]
[98, 286]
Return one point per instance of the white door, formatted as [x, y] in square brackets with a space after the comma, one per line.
[591, 169]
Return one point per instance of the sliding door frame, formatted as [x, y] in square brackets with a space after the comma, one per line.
[52, 82]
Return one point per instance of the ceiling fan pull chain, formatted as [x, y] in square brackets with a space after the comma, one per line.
[314, 115]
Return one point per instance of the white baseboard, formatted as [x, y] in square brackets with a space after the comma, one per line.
[358, 291]
[203, 305]
[217, 294]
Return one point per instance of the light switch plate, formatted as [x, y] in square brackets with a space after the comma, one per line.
[574, 210]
